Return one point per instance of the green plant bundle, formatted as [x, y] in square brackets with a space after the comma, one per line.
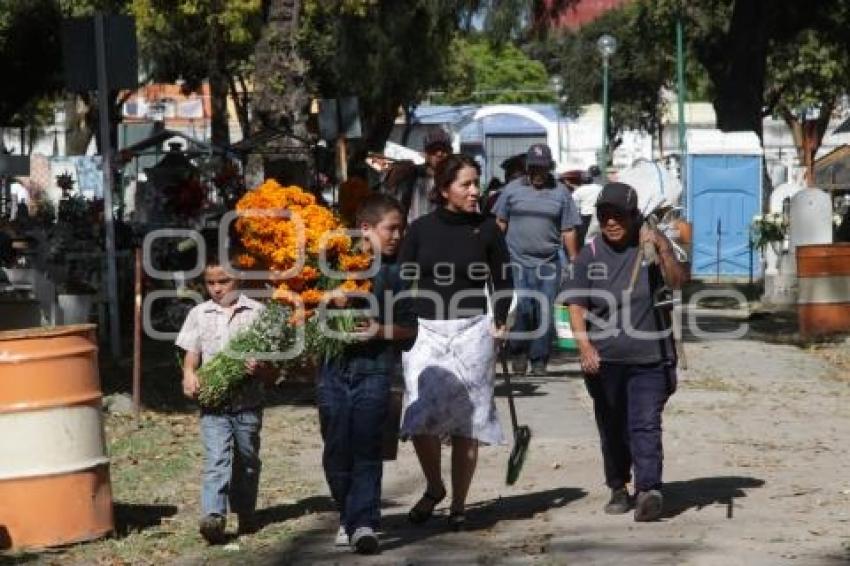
[221, 377]
[768, 228]
[323, 346]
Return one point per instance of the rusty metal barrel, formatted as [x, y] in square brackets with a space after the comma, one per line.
[823, 278]
[54, 470]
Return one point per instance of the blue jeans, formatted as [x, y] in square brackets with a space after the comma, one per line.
[531, 314]
[231, 460]
[352, 411]
[627, 402]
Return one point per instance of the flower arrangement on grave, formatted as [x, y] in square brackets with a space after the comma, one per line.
[771, 227]
[285, 232]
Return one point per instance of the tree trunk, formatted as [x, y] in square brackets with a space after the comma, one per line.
[740, 82]
[219, 85]
[807, 141]
[281, 100]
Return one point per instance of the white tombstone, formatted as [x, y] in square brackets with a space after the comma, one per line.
[811, 218]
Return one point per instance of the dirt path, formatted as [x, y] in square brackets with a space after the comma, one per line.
[755, 474]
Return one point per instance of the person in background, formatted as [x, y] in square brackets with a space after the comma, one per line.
[514, 167]
[491, 195]
[540, 219]
[585, 196]
[626, 345]
[413, 185]
[231, 435]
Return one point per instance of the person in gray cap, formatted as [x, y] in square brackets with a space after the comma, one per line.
[540, 220]
[622, 324]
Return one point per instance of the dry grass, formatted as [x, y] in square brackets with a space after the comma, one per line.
[155, 473]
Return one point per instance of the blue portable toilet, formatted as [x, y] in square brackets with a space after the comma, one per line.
[723, 179]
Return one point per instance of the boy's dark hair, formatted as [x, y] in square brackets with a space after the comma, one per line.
[374, 207]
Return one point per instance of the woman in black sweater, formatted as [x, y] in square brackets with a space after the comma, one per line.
[451, 255]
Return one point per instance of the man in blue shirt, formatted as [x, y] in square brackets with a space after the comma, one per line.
[540, 220]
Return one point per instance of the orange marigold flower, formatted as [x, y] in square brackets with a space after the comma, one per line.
[359, 262]
[312, 296]
[246, 261]
[349, 286]
[309, 273]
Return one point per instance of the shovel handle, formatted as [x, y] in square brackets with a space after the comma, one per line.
[503, 356]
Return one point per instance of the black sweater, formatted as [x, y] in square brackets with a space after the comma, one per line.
[451, 253]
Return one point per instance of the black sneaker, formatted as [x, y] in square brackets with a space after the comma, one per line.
[211, 528]
[648, 506]
[519, 365]
[364, 540]
[620, 502]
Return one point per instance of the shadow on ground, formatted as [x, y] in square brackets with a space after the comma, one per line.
[133, 518]
[482, 515]
[679, 496]
[285, 512]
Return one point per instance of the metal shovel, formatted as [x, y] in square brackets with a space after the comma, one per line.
[522, 434]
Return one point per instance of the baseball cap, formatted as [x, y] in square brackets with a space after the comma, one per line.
[619, 195]
[539, 155]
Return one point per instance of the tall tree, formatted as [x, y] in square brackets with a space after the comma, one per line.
[732, 39]
[387, 57]
[808, 75]
[639, 71]
[20, 22]
[281, 96]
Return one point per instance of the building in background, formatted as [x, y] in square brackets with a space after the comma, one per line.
[585, 11]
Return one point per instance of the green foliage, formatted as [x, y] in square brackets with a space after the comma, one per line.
[30, 56]
[811, 70]
[176, 36]
[222, 376]
[483, 73]
[643, 64]
[388, 57]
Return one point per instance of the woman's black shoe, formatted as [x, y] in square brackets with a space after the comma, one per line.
[424, 508]
[457, 520]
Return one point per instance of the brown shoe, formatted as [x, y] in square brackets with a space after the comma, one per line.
[648, 506]
[212, 528]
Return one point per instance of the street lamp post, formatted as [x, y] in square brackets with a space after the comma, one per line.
[607, 45]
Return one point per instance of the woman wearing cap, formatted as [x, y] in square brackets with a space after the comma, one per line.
[625, 343]
[452, 253]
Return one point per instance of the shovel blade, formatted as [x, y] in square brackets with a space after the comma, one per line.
[522, 438]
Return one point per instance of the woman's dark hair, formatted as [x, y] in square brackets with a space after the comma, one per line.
[446, 174]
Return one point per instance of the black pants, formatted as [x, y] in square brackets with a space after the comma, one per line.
[627, 402]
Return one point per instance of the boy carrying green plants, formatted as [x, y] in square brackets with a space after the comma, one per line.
[353, 390]
[231, 432]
